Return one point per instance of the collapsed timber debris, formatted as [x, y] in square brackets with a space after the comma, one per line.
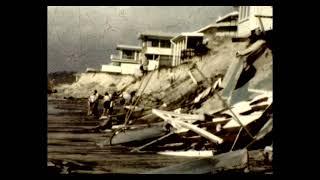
[180, 120]
[222, 135]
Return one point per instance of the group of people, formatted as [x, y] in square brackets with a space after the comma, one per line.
[93, 103]
[108, 100]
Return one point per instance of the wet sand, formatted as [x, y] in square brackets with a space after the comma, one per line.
[69, 142]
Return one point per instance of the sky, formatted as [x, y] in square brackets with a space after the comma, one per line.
[82, 37]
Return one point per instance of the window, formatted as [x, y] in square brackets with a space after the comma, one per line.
[165, 44]
[153, 57]
[165, 61]
[149, 43]
[126, 54]
[155, 43]
[244, 12]
[149, 56]
[193, 42]
[165, 58]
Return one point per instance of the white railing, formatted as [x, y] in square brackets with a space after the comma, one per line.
[114, 57]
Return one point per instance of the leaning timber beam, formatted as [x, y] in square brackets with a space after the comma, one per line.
[192, 77]
[194, 128]
[200, 117]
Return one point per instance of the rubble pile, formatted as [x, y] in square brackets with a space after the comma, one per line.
[209, 116]
[219, 107]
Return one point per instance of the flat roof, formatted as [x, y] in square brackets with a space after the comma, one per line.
[215, 26]
[184, 34]
[157, 35]
[227, 16]
[128, 47]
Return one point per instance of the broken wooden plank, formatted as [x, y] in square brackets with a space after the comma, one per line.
[262, 94]
[252, 48]
[118, 126]
[134, 108]
[231, 78]
[217, 84]
[220, 119]
[172, 144]
[177, 127]
[200, 117]
[201, 132]
[134, 126]
[216, 111]
[239, 107]
[192, 77]
[267, 128]
[244, 106]
[244, 119]
[235, 141]
[202, 95]
[222, 162]
[190, 153]
[178, 124]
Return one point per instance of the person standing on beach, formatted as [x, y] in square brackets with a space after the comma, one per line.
[106, 104]
[93, 103]
[144, 66]
[127, 98]
[171, 77]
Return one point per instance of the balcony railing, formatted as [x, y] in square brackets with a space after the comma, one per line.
[127, 57]
[114, 57]
[187, 53]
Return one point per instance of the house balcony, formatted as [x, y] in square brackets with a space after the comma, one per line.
[124, 59]
[158, 51]
[114, 57]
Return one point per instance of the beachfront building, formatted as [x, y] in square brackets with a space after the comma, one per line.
[254, 19]
[184, 45]
[127, 61]
[225, 26]
[156, 47]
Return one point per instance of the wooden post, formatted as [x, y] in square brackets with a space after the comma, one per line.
[192, 77]
[235, 141]
[130, 112]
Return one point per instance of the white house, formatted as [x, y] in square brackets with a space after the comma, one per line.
[183, 46]
[254, 18]
[126, 62]
[156, 46]
[225, 26]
